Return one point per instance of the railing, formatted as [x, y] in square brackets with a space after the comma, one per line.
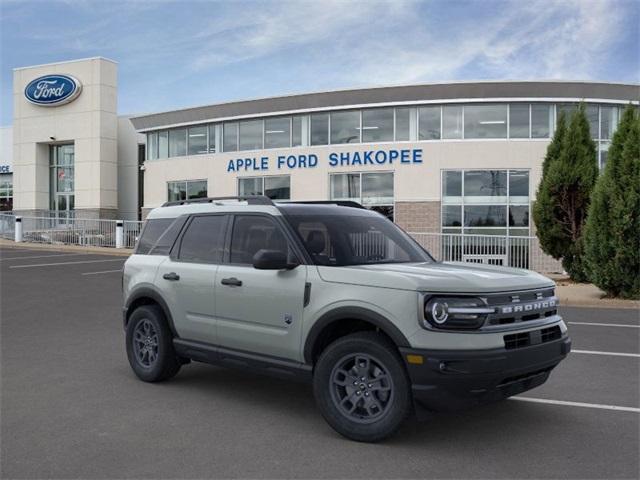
[519, 252]
[132, 231]
[7, 226]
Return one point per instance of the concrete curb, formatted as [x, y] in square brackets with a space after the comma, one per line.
[125, 252]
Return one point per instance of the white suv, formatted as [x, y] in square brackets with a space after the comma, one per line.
[338, 295]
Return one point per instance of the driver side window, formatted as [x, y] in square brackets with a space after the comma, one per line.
[252, 233]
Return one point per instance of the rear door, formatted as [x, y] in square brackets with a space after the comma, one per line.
[187, 277]
[259, 310]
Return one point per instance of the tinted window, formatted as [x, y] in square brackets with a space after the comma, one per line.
[452, 121]
[230, 137]
[377, 125]
[519, 120]
[429, 123]
[251, 135]
[197, 140]
[320, 129]
[485, 121]
[252, 233]
[541, 120]
[168, 238]
[203, 241]
[178, 142]
[403, 122]
[277, 188]
[151, 233]
[345, 127]
[277, 132]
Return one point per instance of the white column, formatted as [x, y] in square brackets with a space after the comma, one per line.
[18, 230]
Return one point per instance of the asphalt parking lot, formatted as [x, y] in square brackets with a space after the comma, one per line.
[71, 407]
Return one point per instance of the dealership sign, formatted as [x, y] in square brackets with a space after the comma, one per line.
[360, 158]
[53, 90]
[5, 168]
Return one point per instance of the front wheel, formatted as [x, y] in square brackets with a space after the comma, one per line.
[150, 345]
[361, 387]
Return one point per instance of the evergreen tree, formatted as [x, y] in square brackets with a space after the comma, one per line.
[564, 194]
[612, 232]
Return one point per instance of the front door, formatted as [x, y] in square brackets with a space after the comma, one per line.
[187, 278]
[259, 310]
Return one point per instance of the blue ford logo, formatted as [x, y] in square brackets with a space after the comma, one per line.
[53, 90]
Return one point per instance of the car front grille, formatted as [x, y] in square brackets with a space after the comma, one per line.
[535, 337]
[516, 307]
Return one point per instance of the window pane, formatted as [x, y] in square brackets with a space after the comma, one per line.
[485, 183]
[163, 144]
[604, 152]
[250, 186]
[212, 138]
[592, 117]
[151, 232]
[345, 186]
[64, 179]
[230, 137]
[320, 129]
[519, 185]
[168, 238]
[296, 131]
[452, 184]
[386, 210]
[277, 188]
[152, 146]
[485, 121]
[403, 124]
[345, 127]
[452, 216]
[541, 120]
[176, 191]
[377, 188]
[608, 122]
[253, 233]
[277, 132]
[197, 140]
[178, 142]
[203, 241]
[568, 109]
[429, 123]
[197, 189]
[452, 121]
[377, 125]
[251, 135]
[485, 216]
[519, 120]
[519, 216]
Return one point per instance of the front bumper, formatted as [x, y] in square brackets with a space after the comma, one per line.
[453, 379]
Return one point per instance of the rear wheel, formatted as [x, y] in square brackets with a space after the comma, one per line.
[361, 387]
[150, 345]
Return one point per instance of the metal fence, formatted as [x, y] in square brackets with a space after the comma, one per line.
[519, 252]
[7, 226]
[132, 230]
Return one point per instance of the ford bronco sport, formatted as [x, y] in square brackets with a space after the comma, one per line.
[338, 295]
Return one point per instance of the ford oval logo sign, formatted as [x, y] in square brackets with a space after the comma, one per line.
[53, 90]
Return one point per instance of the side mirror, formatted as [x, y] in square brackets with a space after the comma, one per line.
[272, 260]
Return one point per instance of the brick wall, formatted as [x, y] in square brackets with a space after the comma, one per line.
[418, 216]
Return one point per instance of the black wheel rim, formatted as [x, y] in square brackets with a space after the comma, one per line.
[145, 343]
[361, 388]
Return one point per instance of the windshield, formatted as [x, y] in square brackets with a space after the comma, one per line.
[343, 240]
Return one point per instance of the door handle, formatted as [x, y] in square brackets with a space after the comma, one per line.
[171, 276]
[232, 282]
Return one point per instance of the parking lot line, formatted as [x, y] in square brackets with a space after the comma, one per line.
[577, 404]
[41, 256]
[68, 263]
[104, 271]
[604, 324]
[614, 354]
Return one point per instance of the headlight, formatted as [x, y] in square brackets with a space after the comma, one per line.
[455, 312]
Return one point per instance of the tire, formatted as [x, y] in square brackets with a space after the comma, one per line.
[384, 399]
[149, 345]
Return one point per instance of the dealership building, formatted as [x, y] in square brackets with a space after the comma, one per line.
[449, 157]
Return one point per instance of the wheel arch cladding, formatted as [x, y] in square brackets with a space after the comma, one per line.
[147, 296]
[355, 319]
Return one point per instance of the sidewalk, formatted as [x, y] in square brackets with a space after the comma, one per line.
[570, 294]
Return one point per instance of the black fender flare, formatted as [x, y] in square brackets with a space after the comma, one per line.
[351, 313]
[147, 292]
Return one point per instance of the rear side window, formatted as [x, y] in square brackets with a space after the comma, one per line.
[203, 241]
[152, 231]
[168, 238]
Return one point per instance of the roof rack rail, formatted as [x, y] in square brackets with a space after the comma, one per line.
[340, 203]
[250, 199]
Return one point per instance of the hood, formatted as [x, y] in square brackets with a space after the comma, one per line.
[443, 277]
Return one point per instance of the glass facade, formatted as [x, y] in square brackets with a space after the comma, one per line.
[486, 202]
[6, 192]
[61, 179]
[382, 124]
[276, 187]
[186, 190]
[374, 190]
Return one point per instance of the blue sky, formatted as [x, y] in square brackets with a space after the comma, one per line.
[185, 53]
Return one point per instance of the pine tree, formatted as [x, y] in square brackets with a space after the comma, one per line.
[612, 232]
[564, 194]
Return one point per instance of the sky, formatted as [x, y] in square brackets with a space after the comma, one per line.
[176, 54]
